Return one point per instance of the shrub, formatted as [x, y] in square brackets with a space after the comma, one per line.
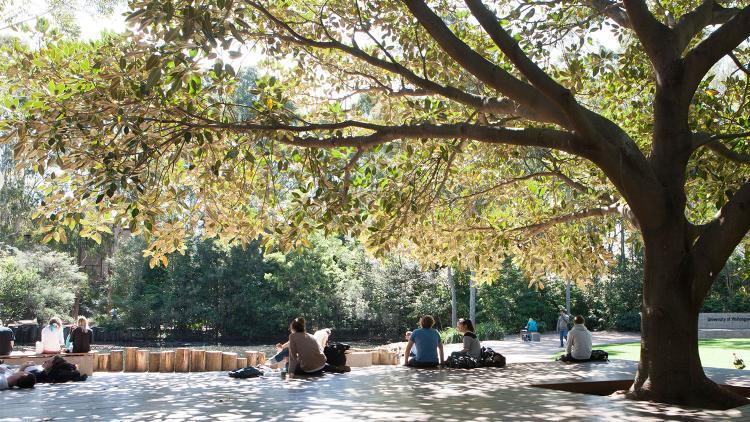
[450, 335]
[38, 284]
[490, 331]
[628, 321]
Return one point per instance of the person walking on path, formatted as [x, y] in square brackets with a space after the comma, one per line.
[562, 326]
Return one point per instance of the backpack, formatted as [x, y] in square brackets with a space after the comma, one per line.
[336, 354]
[491, 358]
[460, 360]
[599, 355]
[246, 372]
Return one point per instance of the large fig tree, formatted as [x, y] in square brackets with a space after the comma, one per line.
[456, 130]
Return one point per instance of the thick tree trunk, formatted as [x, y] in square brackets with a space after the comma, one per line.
[670, 369]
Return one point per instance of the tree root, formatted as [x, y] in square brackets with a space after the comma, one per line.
[708, 395]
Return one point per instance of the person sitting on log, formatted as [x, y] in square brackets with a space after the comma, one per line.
[428, 344]
[80, 337]
[6, 340]
[52, 337]
[579, 345]
[20, 378]
[306, 357]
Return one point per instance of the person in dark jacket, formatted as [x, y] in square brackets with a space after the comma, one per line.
[81, 337]
[6, 340]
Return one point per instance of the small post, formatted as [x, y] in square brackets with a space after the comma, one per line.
[166, 361]
[181, 359]
[130, 357]
[103, 364]
[213, 360]
[115, 360]
[153, 361]
[197, 360]
[141, 360]
[228, 361]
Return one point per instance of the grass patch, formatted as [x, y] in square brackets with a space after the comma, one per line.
[715, 352]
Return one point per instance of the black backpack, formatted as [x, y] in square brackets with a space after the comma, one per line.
[599, 355]
[336, 354]
[460, 360]
[246, 372]
[491, 358]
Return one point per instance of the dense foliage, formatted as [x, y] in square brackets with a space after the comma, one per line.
[37, 284]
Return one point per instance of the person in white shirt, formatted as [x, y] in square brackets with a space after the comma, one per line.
[579, 346]
[19, 378]
[52, 337]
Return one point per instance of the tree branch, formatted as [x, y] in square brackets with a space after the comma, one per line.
[718, 239]
[612, 10]
[708, 13]
[534, 229]
[481, 68]
[533, 137]
[479, 103]
[656, 38]
[727, 153]
[538, 77]
[721, 42]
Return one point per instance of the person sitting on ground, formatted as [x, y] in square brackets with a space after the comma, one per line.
[19, 378]
[305, 354]
[80, 337]
[428, 344]
[562, 326]
[472, 347]
[413, 352]
[321, 336]
[579, 345]
[52, 337]
[7, 339]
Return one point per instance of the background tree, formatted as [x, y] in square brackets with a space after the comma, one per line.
[426, 157]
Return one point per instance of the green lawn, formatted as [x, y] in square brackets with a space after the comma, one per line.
[715, 353]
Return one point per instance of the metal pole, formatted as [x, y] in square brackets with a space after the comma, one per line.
[472, 300]
[454, 303]
[567, 298]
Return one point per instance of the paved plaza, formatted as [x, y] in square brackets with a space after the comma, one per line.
[374, 393]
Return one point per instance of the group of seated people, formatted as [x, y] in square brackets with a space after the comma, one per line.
[424, 348]
[79, 338]
[304, 351]
[53, 341]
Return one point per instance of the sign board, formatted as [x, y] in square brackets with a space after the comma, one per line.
[726, 321]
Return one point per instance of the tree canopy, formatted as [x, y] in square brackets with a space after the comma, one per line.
[147, 130]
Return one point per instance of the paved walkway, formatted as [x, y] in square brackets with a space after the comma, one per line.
[375, 393]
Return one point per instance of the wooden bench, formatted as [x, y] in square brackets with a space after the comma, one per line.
[84, 361]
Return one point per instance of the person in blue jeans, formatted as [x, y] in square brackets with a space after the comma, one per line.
[562, 326]
[429, 346]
